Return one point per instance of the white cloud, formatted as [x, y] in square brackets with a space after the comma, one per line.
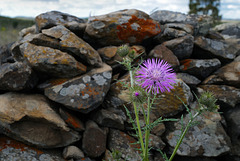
[82, 8]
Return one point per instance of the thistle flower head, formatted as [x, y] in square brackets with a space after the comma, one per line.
[155, 76]
[208, 101]
[123, 50]
[137, 94]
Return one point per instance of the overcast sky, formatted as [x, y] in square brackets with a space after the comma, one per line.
[230, 9]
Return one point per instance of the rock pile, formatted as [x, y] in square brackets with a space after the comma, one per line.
[59, 90]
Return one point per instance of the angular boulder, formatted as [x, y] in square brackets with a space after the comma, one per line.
[51, 61]
[182, 47]
[54, 18]
[228, 75]
[210, 48]
[124, 26]
[83, 93]
[94, 140]
[73, 44]
[200, 68]
[200, 23]
[32, 120]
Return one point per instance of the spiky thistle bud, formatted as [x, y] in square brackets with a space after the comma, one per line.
[138, 94]
[123, 50]
[208, 101]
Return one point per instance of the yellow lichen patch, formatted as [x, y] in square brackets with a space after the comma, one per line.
[169, 102]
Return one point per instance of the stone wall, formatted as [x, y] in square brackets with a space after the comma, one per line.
[60, 98]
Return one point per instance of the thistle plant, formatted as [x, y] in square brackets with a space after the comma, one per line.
[152, 77]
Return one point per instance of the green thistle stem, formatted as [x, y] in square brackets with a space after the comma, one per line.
[137, 118]
[183, 135]
[147, 130]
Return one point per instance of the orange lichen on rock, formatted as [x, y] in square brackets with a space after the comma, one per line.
[72, 121]
[186, 63]
[145, 28]
[6, 142]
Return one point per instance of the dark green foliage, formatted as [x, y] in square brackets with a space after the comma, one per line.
[206, 7]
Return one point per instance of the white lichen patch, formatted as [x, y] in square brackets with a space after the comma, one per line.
[85, 96]
[72, 100]
[86, 79]
[72, 90]
[100, 80]
[107, 75]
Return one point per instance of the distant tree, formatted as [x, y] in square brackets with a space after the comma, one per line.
[206, 7]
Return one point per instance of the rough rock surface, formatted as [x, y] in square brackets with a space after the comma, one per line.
[51, 61]
[188, 79]
[162, 52]
[200, 68]
[169, 104]
[16, 76]
[201, 23]
[123, 143]
[70, 42]
[125, 26]
[94, 140]
[72, 152]
[31, 119]
[228, 75]
[181, 47]
[83, 93]
[11, 150]
[209, 48]
[233, 122]
[108, 118]
[53, 18]
[208, 138]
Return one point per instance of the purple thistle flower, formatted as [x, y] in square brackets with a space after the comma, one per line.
[136, 94]
[156, 75]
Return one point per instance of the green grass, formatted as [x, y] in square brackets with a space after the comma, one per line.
[10, 27]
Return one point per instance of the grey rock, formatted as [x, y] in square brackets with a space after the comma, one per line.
[230, 29]
[184, 27]
[54, 18]
[208, 138]
[158, 130]
[108, 118]
[228, 75]
[94, 140]
[72, 152]
[181, 47]
[6, 54]
[169, 34]
[120, 141]
[233, 122]
[12, 150]
[208, 48]
[17, 76]
[156, 142]
[200, 68]
[28, 30]
[75, 45]
[32, 120]
[83, 93]
[201, 23]
[188, 79]
[162, 52]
